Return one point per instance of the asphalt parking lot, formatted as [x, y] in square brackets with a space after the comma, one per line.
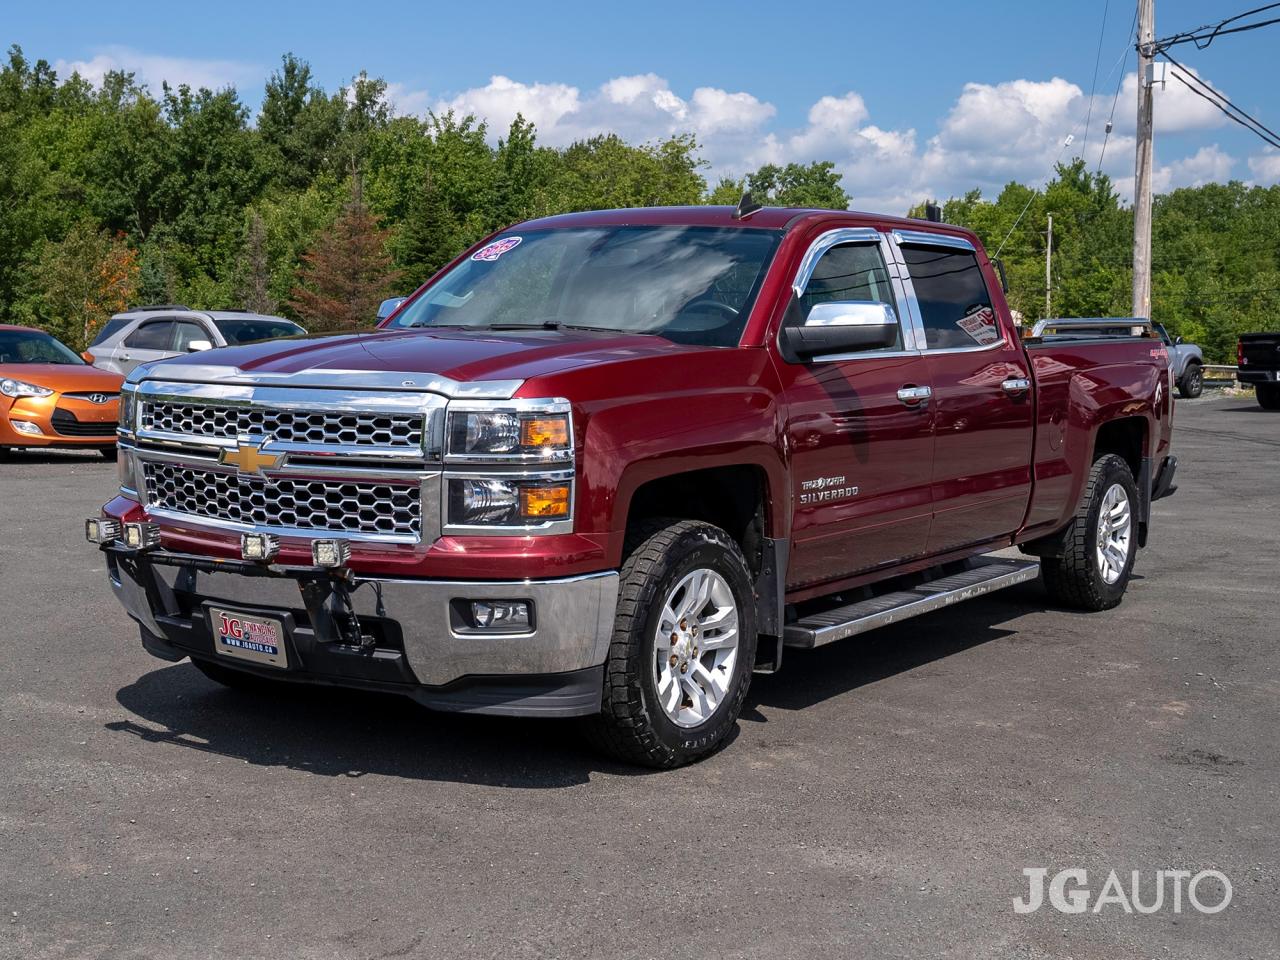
[881, 798]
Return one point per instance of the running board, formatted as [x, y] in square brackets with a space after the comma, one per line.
[851, 619]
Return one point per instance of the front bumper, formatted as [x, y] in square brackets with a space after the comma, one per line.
[96, 420]
[555, 669]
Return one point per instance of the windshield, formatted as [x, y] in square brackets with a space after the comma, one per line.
[236, 330]
[689, 284]
[32, 346]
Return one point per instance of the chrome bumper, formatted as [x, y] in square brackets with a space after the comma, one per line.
[573, 619]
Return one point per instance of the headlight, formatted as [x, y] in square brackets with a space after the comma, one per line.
[20, 388]
[128, 404]
[519, 431]
[514, 502]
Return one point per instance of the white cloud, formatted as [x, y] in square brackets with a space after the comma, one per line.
[153, 69]
[1265, 166]
[992, 133]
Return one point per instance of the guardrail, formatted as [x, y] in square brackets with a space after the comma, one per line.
[1228, 369]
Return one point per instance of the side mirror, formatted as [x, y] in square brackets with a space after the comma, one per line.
[842, 326]
[195, 346]
[389, 306]
[1177, 341]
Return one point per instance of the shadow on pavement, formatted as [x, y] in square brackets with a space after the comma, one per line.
[339, 733]
[809, 677]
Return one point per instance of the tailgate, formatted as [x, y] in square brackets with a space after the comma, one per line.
[1260, 350]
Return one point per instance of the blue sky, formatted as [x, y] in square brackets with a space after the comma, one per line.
[908, 99]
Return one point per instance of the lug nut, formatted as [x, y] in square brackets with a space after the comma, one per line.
[674, 659]
[684, 668]
[684, 624]
[674, 638]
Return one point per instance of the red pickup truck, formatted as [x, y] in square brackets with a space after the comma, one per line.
[609, 464]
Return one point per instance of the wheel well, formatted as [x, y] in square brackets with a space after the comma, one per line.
[1126, 438]
[732, 498]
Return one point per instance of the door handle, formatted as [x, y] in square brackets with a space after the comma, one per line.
[915, 395]
[1016, 385]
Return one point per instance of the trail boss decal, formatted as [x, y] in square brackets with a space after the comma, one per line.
[492, 251]
[980, 324]
[822, 489]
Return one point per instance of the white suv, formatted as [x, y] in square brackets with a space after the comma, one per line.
[167, 330]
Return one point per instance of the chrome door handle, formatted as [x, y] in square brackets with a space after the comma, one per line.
[914, 395]
[1016, 385]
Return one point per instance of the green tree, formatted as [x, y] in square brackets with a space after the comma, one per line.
[84, 279]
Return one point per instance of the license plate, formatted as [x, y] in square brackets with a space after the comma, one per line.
[249, 636]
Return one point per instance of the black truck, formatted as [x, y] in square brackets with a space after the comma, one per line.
[1258, 366]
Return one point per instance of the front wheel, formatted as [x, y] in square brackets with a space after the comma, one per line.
[1192, 383]
[1268, 396]
[1097, 558]
[684, 644]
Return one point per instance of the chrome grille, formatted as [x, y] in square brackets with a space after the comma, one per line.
[328, 506]
[220, 422]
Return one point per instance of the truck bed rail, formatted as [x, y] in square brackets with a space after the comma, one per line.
[1093, 327]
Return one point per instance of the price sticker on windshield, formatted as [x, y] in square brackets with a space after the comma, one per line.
[492, 251]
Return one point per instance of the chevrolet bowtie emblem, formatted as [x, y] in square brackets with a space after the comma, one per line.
[248, 458]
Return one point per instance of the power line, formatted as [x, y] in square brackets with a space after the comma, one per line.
[1116, 99]
[1219, 100]
[1097, 59]
[1204, 35]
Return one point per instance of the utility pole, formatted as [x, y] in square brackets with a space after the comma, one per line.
[1142, 162]
[1048, 275]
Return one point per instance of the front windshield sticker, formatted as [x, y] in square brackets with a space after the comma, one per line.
[492, 251]
[980, 325]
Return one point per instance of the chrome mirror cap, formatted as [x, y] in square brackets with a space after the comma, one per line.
[851, 313]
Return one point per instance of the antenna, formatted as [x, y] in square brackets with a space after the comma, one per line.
[746, 206]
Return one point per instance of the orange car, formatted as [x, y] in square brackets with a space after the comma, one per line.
[49, 397]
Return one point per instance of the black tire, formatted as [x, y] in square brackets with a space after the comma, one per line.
[633, 724]
[1076, 579]
[1268, 396]
[235, 679]
[1192, 383]
[110, 454]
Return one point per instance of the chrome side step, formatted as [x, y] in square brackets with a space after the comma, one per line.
[853, 618]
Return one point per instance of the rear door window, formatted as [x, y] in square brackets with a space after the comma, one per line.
[154, 335]
[955, 305]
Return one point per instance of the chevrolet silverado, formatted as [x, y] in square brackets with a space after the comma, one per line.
[610, 464]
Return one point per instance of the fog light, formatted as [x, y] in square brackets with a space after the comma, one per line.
[101, 531]
[24, 426]
[501, 616]
[330, 553]
[141, 536]
[261, 547]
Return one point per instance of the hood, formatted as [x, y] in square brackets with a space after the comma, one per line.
[460, 355]
[64, 377]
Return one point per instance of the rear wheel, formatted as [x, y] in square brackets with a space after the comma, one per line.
[1097, 558]
[683, 646]
[1192, 383]
[1268, 396]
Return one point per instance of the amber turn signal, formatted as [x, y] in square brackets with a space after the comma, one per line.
[536, 432]
[544, 503]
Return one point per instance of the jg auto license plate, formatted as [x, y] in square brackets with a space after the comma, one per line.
[249, 636]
